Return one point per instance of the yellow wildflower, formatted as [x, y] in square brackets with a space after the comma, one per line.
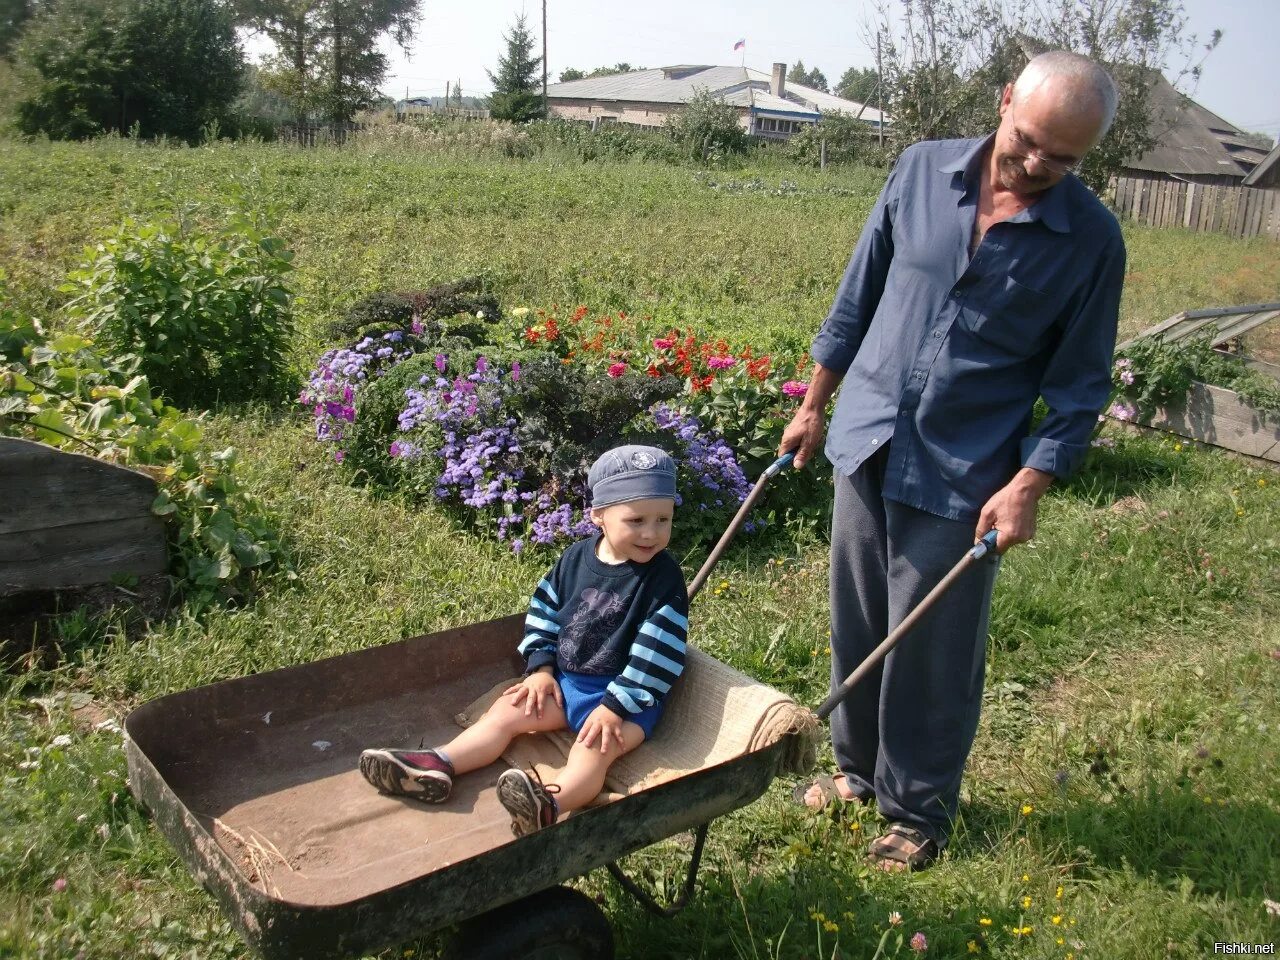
[1059, 941]
[1058, 895]
[1026, 903]
[1177, 448]
[1262, 481]
[1057, 919]
[1027, 809]
[1240, 512]
[1026, 878]
[984, 921]
[830, 926]
[973, 946]
[724, 584]
[855, 826]
[817, 915]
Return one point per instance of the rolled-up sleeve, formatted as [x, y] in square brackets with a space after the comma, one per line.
[1077, 380]
[863, 283]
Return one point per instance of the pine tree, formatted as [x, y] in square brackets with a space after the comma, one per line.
[517, 85]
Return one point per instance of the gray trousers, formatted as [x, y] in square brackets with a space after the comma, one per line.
[904, 733]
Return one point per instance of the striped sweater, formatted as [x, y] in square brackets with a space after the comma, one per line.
[627, 621]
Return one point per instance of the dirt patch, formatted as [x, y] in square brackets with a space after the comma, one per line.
[36, 626]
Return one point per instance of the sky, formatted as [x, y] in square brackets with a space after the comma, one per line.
[457, 41]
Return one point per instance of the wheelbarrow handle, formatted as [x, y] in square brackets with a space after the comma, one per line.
[972, 556]
[736, 523]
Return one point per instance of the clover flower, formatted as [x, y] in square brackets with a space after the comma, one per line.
[919, 943]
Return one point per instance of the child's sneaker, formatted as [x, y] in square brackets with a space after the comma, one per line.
[530, 803]
[421, 774]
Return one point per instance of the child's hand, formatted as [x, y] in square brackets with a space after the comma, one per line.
[604, 723]
[534, 690]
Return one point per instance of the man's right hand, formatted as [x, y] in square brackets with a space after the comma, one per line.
[803, 435]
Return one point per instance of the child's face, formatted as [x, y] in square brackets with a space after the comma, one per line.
[636, 531]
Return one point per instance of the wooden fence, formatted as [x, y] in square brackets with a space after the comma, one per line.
[1234, 210]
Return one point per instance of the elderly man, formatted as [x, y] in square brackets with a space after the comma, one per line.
[986, 276]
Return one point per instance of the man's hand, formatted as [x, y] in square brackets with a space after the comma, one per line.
[534, 691]
[605, 724]
[804, 433]
[1012, 510]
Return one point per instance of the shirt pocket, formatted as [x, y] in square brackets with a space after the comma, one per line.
[1011, 316]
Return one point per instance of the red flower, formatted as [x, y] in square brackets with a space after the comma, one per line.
[617, 369]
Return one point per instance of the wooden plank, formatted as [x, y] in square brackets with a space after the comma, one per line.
[1259, 211]
[59, 488]
[1219, 417]
[75, 520]
[1188, 208]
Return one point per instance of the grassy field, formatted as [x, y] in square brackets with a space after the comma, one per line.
[1122, 799]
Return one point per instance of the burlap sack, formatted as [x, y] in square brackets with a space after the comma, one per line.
[713, 714]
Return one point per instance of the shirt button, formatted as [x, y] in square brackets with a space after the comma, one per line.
[874, 442]
[919, 376]
[937, 334]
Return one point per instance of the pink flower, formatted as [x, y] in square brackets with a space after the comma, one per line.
[395, 448]
[338, 456]
[794, 388]
[1121, 411]
[617, 369]
[918, 943]
[417, 326]
[60, 884]
[664, 343]
[722, 363]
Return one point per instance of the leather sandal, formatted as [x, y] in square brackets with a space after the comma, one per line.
[903, 847]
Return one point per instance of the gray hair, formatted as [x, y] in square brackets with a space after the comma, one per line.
[1083, 75]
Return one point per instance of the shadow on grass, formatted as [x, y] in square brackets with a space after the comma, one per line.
[1160, 830]
[1135, 466]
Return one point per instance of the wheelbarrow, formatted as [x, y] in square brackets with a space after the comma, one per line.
[332, 868]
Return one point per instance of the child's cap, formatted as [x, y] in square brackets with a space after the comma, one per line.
[631, 473]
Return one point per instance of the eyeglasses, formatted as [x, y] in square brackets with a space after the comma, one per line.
[1056, 167]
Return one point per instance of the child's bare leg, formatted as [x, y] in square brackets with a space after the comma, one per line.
[584, 774]
[483, 742]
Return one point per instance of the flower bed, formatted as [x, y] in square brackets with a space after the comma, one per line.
[502, 424]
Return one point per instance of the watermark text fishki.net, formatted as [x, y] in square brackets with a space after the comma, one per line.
[1254, 949]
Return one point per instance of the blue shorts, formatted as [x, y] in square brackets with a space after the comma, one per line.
[583, 693]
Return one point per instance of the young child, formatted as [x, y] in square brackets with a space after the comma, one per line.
[604, 641]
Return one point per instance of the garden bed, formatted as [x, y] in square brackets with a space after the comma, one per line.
[1221, 417]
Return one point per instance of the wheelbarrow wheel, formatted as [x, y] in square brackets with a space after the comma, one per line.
[554, 924]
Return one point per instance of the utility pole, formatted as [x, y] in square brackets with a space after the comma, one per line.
[544, 58]
[446, 96]
[879, 90]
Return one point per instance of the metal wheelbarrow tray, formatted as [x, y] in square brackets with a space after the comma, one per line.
[254, 781]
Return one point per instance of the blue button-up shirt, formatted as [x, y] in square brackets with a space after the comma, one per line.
[946, 355]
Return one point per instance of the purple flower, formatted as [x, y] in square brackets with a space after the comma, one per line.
[722, 363]
[1121, 410]
[482, 365]
[441, 360]
[417, 327]
[918, 942]
[515, 371]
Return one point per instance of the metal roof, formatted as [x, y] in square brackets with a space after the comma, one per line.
[737, 85]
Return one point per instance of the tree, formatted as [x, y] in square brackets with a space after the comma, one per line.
[13, 17]
[517, 84]
[164, 67]
[574, 74]
[946, 61]
[327, 61]
[859, 85]
[814, 79]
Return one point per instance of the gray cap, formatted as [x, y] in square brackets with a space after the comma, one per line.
[631, 473]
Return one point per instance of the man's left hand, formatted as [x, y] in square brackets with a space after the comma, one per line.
[1012, 509]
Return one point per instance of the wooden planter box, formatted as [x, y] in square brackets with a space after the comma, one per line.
[1218, 416]
[68, 520]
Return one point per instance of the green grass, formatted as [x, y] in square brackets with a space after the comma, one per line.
[1133, 676]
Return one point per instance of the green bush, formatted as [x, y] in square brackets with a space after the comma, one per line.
[447, 309]
[707, 130]
[64, 392]
[1153, 373]
[208, 314]
[848, 140]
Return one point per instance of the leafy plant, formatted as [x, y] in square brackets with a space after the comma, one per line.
[207, 314]
[64, 392]
[707, 129]
[1153, 372]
